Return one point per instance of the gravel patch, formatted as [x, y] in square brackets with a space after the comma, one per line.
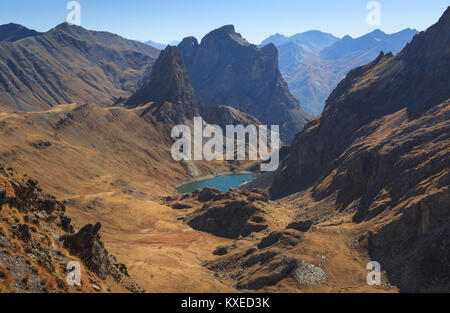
[310, 275]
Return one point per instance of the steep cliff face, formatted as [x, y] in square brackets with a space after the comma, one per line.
[382, 148]
[226, 70]
[71, 64]
[170, 89]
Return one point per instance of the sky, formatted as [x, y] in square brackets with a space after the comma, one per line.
[171, 20]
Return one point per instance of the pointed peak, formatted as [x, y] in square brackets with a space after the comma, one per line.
[445, 19]
[377, 31]
[67, 27]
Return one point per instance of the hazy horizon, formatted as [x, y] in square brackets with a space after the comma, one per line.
[255, 20]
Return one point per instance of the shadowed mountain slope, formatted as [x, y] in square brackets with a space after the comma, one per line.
[71, 64]
[13, 32]
[381, 150]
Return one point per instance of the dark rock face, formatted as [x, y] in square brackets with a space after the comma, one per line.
[302, 226]
[2, 198]
[230, 220]
[288, 239]
[207, 194]
[220, 251]
[22, 231]
[382, 144]
[87, 245]
[225, 70]
[269, 275]
[169, 87]
[232, 214]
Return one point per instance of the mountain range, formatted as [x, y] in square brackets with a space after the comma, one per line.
[93, 180]
[13, 32]
[161, 46]
[313, 63]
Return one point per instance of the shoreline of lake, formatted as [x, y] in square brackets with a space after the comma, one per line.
[212, 176]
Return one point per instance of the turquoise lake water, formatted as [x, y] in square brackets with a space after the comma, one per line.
[224, 183]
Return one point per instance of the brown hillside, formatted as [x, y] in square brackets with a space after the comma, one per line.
[71, 64]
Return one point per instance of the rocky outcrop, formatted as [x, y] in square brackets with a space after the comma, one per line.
[302, 226]
[30, 225]
[269, 275]
[231, 219]
[232, 214]
[286, 238]
[170, 90]
[225, 70]
[86, 245]
[380, 150]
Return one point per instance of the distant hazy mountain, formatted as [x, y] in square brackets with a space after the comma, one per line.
[156, 45]
[161, 46]
[276, 39]
[225, 69]
[314, 62]
[71, 64]
[313, 39]
[375, 42]
[13, 32]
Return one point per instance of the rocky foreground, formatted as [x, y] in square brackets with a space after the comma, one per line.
[270, 247]
[38, 241]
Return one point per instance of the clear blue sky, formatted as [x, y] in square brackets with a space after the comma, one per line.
[167, 20]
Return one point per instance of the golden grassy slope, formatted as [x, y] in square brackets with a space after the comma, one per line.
[111, 165]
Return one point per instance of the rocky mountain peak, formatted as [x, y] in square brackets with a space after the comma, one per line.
[168, 85]
[225, 70]
[224, 34]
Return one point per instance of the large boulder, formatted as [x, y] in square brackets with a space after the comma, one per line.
[86, 245]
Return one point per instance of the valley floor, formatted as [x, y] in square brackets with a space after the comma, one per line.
[114, 179]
